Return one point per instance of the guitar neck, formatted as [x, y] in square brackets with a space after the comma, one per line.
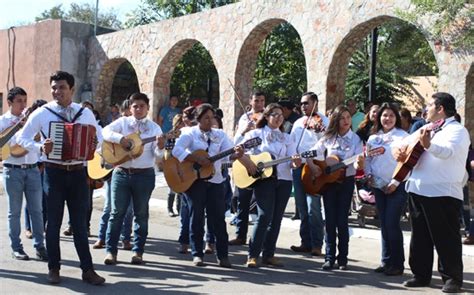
[9, 134]
[342, 164]
[276, 162]
[221, 155]
[148, 139]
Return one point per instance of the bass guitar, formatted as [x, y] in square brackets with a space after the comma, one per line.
[264, 164]
[181, 175]
[333, 170]
[115, 154]
[414, 152]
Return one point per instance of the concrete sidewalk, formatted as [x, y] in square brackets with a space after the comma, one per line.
[166, 270]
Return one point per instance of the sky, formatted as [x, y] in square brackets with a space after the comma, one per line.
[21, 12]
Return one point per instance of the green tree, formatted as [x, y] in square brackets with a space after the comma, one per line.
[84, 13]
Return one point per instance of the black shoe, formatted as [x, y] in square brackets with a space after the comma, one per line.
[53, 276]
[301, 249]
[380, 269]
[327, 265]
[416, 283]
[68, 231]
[295, 217]
[393, 271]
[451, 287]
[41, 254]
[343, 267]
[20, 255]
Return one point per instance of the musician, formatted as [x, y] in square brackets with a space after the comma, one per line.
[64, 181]
[364, 130]
[272, 194]
[22, 176]
[244, 196]
[340, 141]
[306, 132]
[133, 180]
[390, 197]
[435, 195]
[206, 194]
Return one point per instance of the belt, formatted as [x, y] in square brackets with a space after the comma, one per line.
[133, 170]
[22, 166]
[73, 167]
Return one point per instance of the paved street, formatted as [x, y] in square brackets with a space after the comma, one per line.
[168, 271]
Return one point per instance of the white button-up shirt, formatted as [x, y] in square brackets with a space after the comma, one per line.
[241, 126]
[341, 146]
[278, 144]
[123, 126]
[6, 121]
[310, 137]
[382, 166]
[441, 169]
[193, 139]
[39, 121]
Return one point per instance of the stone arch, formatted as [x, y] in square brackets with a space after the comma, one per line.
[469, 102]
[106, 79]
[164, 72]
[247, 59]
[337, 72]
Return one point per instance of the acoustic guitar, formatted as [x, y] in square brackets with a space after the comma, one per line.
[264, 164]
[333, 171]
[181, 175]
[115, 154]
[414, 152]
[97, 168]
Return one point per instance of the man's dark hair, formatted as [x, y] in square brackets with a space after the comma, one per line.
[14, 92]
[61, 75]
[313, 96]
[447, 101]
[125, 105]
[139, 96]
[39, 103]
[258, 92]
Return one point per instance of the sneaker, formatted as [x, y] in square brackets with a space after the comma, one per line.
[301, 249]
[126, 245]
[183, 248]
[343, 267]
[28, 234]
[469, 240]
[110, 259]
[237, 242]
[41, 254]
[224, 262]
[252, 262]
[137, 258]
[272, 261]
[20, 255]
[92, 277]
[53, 276]
[209, 248]
[197, 261]
[68, 231]
[327, 265]
[99, 244]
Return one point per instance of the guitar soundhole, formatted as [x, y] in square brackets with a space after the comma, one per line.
[196, 166]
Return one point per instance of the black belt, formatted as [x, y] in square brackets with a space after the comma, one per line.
[22, 166]
[133, 170]
[72, 167]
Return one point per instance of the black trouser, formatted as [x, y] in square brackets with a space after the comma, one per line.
[435, 222]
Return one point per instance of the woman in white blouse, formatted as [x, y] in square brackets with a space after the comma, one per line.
[271, 193]
[206, 195]
[390, 196]
[340, 141]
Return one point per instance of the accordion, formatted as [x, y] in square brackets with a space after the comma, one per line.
[72, 141]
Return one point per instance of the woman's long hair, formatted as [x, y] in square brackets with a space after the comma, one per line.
[378, 123]
[333, 128]
[262, 122]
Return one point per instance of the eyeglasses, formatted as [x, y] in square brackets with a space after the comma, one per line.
[276, 115]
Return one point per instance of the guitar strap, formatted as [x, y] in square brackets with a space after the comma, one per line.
[63, 118]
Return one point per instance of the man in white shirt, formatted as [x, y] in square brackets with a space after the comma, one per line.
[133, 180]
[305, 133]
[64, 181]
[435, 195]
[22, 176]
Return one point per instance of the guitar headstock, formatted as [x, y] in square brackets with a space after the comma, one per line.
[375, 151]
[173, 134]
[251, 143]
[308, 154]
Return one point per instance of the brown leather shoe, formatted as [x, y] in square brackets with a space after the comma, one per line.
[68, 231]
[99, 244]
[237, 242]
[53, 276]
[469, 240]
[110, 259]
[92, 277]
[301, 249]
[316, 251]
[126, 245]
[183, 248]
[137, 258]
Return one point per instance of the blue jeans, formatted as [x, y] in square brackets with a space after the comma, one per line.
[242, 218]
[337, 202]
[272, 197]
[309, 207]
[207, 197]
[390, 209]
[17, 181]
[126, 188]
[104, 219]
[185, 221]
[28, 220]
[71, 187]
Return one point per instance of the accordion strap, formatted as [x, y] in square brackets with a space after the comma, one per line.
[62, 117]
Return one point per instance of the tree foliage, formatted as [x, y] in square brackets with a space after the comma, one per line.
[84, 13]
